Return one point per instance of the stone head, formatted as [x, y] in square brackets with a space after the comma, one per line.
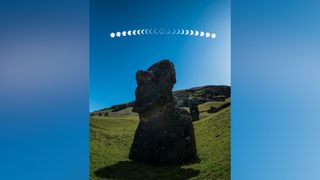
[154, 86]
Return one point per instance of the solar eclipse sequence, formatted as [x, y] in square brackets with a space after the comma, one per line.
[162, 31]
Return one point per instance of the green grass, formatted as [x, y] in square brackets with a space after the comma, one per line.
[111, 138]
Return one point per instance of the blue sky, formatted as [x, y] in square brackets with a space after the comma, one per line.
[114, 62]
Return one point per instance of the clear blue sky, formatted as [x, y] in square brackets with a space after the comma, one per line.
[114, 62]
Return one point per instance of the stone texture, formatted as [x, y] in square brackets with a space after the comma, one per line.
[194, 110]
[219, 108]
[165, 132]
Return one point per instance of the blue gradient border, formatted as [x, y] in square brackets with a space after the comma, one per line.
[275, 90]
[44, 79]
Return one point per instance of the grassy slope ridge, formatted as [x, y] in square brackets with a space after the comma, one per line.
[111, 138]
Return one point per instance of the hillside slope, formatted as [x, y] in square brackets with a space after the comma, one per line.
[198, 95]
[111, 137]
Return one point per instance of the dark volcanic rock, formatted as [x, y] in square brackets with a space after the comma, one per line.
[212, 109]
[154, 86]
[194, 111]
[165, 132]
[216, 109]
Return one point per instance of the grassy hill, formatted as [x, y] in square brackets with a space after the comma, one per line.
[111, 137]
[198, 95]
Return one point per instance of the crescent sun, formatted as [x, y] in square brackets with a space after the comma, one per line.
[178, 31]
[142, 31]
[187, 32]
[191, 32]
[155, 31]
[174, 31]
[138, 32]
[182, 31]
[150, 31]
[161, 31]
[134, 32]
[168, 32]
[146, 31]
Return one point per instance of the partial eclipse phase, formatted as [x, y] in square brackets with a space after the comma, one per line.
[162, 32]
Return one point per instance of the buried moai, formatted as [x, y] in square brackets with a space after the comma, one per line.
[194, 110]
[165, 132]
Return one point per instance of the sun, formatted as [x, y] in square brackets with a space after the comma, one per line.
[163, 32]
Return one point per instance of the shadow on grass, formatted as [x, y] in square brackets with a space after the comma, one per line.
[132, 170]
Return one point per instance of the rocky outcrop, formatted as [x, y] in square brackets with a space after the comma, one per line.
[198, 95]
[165, 132]
[202, 94]
[216, 109]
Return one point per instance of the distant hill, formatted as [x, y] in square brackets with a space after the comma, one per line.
[198, 95]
